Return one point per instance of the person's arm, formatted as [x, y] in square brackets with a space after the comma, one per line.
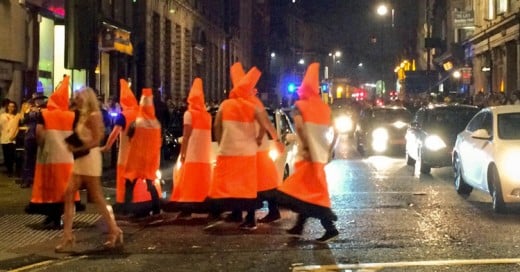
[40, 134]
[217, 126]
[265, 123]
[95, 124]
[112, 138]
[186, 134]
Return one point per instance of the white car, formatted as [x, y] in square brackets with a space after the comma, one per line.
[486, 155]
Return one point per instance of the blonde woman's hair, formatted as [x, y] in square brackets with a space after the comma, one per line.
[90, 102]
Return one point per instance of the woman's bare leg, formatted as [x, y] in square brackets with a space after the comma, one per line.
[68, 214]
[94, 189]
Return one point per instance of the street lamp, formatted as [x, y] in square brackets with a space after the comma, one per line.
[334, 55]
[382, 10]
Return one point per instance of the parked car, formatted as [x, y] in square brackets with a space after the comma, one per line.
[381, 129]
[432, 134]
[486, 155]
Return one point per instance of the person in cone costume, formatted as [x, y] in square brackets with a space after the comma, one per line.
[142, 189]
[130, 108]
[306, 191]
[267, 174]
[54, 161]
[234, 184]
[193, 169]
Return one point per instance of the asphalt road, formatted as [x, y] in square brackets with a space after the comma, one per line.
[390, 219]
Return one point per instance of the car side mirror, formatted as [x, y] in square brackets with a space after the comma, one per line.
[481, 134]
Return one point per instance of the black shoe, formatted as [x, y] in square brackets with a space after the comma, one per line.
[234, 217]
[296, 230]
[328, 236]
[270, 218]
[248, 226]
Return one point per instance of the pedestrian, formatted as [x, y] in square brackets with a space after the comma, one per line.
[234, 184]
[142, 188]
[84, 144]
[9, 124]
[267, 174]
[192, 176]
[31, 115]
[54, 162]
[130, 108]
[305, 191]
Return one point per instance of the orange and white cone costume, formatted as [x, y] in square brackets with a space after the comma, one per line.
[191, 184]
[142, 187]
[54, 161]
[306, 190]
[234, 183]
[130, 108]
[267, 174]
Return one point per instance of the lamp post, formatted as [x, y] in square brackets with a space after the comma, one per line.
[382, 10]
[334, 55]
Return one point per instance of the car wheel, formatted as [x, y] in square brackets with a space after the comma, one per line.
[409, 160]
[499, 205]
[461, 186]
[424, 168]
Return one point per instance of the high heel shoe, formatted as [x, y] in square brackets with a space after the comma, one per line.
[66, 245]
[113, 239]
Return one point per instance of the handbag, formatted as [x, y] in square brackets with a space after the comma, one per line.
[75, 141]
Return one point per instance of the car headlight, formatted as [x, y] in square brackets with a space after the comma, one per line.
[434, 142]
[273, 154]
[380, 134]
[510, 162]
[379, 139]
[343, 124]
[399, 124]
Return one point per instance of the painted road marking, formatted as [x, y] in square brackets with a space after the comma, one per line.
[46, 264]
[379, 266]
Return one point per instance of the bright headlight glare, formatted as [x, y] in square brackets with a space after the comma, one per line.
[434, 143]
[273, 154]
[510, 162]
[158, 174]
[399, 124]
[343, 124]
[380, 134]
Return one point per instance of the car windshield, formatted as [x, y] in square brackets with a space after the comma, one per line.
[390, 115]
[509, 126]
[452, 119]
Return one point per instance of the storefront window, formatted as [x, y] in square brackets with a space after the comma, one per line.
[46, 61]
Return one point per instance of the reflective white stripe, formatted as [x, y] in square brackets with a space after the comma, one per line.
[318, 143]
[199, 148]
[146, 101]
[54, 149]
[239, 139]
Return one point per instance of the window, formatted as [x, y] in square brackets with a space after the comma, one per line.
[490, 10]
[475, 123]
[502, 6]
[509, 126]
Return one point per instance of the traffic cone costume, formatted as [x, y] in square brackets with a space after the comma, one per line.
[191, 184]
[54, 161]
[142, 188]
[267, 175]
[234, 183]
[306, 190]
[130, 108]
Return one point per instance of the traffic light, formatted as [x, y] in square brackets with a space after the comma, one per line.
[324, 88]
[291, 87]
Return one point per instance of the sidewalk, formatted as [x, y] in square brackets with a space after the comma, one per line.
[23, 241]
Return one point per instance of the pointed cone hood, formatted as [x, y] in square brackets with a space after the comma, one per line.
[244, 88]
[59, 100]
[196, 96]
[237, 73]
[146, 107]
[127, 98]
[310, 84]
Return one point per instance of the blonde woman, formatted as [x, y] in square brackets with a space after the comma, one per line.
[87, 168]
